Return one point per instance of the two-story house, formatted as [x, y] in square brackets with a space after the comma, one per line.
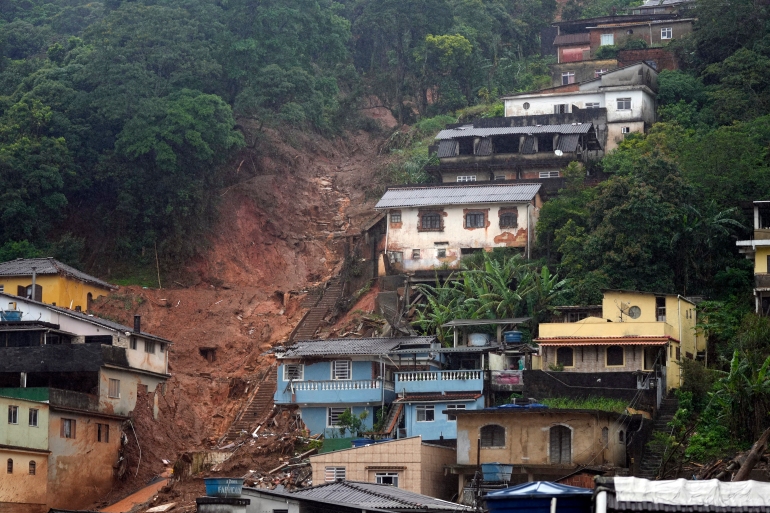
[434, 226]
[758, 249]
[53, 282]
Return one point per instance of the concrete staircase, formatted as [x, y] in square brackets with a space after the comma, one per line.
[260, 405]
[654, 451]
[310, 323]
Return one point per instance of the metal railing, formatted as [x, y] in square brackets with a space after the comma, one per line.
[359, 384]
[452, 375]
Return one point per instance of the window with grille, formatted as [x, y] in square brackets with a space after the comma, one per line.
[388, 478]
[593, 105]
[333, 416]
[561, 445]
[33, 413]
[341, 369]
[395, 217]
[509, 220]
[149, 347]
[415, 254]
[565, 356]
[493, 436]
[499, 177]
[666, 33]
[451, 407]
[13, 415]
[607, 39]
[332, 474]
[624, 103]
[103, 433]
[114, 391]
[32, 468]
[549, 174]
[615, 356]
[293, 372]
[9, 466]
[466, 178]
[431, 221]
[425, 413]
[396, 257]
[68, 428]
[475, 220]
[441, 253]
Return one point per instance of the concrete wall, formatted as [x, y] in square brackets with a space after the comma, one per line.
[420, 467]
[441, 425]
[22, 434]
[660, 58]
[594, 359]
[315, 418]
[649, 32]
[21, 492]
[543, 104]
[58, 290]
[406, 238]
[129, 384]
[760, 259]
[264, 503]
[80, 468]
[527, 437]
[583, 70]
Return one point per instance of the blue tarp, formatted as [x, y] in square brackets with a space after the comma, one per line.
[539, 489]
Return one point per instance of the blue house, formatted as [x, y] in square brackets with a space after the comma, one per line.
[326, 377]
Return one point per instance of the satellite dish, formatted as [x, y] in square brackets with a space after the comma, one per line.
[558, 153]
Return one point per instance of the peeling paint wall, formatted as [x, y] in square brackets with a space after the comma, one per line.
[129, 384]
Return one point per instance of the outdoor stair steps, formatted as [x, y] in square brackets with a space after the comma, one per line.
[652, 458]
[260, 405]
[312, 320]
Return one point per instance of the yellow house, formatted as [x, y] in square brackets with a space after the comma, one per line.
[638, 332]
[758, 249]
[53, 282]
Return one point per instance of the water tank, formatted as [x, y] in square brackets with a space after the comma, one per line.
[11, 315]
[360, 442]
[223, 486]
[512, 337]
[478, 339]
[537, 497]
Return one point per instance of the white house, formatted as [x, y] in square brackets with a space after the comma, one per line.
[627, 93]
[433, 226]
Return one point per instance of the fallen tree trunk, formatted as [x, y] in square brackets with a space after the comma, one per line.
[756, 452]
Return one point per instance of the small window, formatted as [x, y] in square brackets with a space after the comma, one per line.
[526, 105]
[9, 466]
[441, 253]
[13, 415]
[114, 390]
[334, 474]
[475, 220]
[666, 33]
[431, 221]
[333, 416]
[607, 39]
[132, 343]
[660, 309]
[32, 468]
[493, 436]
[509, 220]
[425, 413]
[466, 178]
[161, 347]
[396, 257]
[600, 72]
[621, 437]
[568, 77]
[592, 105]
[68, 428]
[33, 413]
[499, 177]
[605, 436]
[149, 347]
[2, 289]
[341, 369]
[549, 174]
[450, 407]
[561, 108]
[415, 254]
[395, 217]
[103, 433]
[624, 103]
[615, 356]
[625, 130]
[293, 372]
[388, 478]
[565, 356]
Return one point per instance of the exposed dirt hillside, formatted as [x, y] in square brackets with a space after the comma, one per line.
[281, 231]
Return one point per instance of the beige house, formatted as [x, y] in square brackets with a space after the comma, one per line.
[408, 463]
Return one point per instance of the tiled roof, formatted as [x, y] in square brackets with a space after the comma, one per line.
[625, 340]
[471, 131]
[349, 346]
[433, 397]
[453, 195]
[370, 495]
[23, 267]
[572, 39]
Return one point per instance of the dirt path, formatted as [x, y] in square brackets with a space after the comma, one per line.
[141, 497]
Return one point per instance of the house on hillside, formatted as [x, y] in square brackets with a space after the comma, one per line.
[628, 94]
[758, 250]
[53, 282]
[434, 226]
[680, 7]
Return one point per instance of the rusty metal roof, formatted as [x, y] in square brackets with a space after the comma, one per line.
[572, 39]
[423, 196]
[23, 267]
[471, 131]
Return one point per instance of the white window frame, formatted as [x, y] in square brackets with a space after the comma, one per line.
[132, 343]
[466, 178]
[593, 105]
[395, 217]
[332, 415]
[421, 410]
[2, 288]
[13, 414]
[396, 257]
[68, 428]
[569, 75]
[338, 368]
[113, 388]
[149, 346]
[332, 474]
[666, 33]
[622, 102]
[34, 414]
[299, 370]
[499, 177]
[607, 40]
[549, 174]
[600, 72]
[391, 476]
[449, 416]
[625, 130]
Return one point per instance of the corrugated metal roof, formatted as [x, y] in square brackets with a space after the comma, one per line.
[453, 195]
[485, 147]
[23, 267]
[448, 148]
[348, 346]
[528, 147]
[470, 131]
[568, 142]
[572, 39]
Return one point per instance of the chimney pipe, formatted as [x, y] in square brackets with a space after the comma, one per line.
[137, 323]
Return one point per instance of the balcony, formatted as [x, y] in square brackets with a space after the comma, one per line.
[762, 281]
[335, 391]
[55, 397]
[440, 381]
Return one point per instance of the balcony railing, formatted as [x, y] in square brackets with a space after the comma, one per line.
[762, 281]
[360, 384]
[440, 381]
[452, 375]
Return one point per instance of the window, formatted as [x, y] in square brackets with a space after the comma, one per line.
[561, 445]
[341, 369]
[652, 355]
[493, 436]
[561, 108]
[565, 356]
[334, 474]
[9, 467]
[624, 103]
[615, 356]
[568, 77]
[451, 417]
[621, 437]
[600, 72]
[605, 436]
[114, 391]
[525, 105]
[499, 177]
[333, 416]
[13, 415]
[475, 220]
[293, 372]
[576, 316]
[32, 468]
[625, 130]
[592, 105]
[509, 220]
[425, 413]
[666, 33]
[396, 257]
[415, 254]
[549, 174]
[132, 343]
[68, 428]
[149, 347]
[33, 417]
[467, 178]
[607, 39]
[395, 217]
[441, 253]
[430, 221]
[2, 288]
[162, 347]
[660, 308]
[103, 433]
[280, 511]
[388, 478]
